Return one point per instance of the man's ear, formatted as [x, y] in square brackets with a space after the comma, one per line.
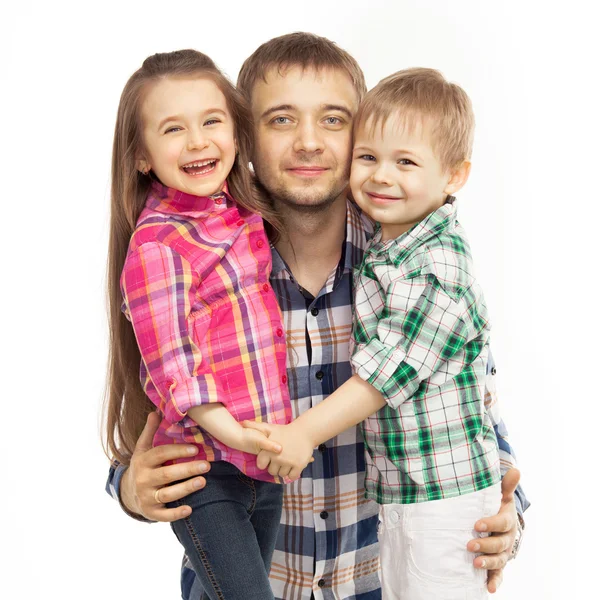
[458, 178]
[142, 166]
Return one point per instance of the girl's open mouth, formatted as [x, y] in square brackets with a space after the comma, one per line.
[200, 167]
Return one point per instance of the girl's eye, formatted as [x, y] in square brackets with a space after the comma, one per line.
[171, 129]
[406, 162]
[212, 122]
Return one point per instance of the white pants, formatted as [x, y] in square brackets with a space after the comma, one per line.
[423, 547]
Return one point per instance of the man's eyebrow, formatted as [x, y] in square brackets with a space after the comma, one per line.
[275, 109]
[339, 108]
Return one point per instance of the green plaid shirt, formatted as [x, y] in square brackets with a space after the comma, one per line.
[421, 337]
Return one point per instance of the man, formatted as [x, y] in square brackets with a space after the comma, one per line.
[304, 91]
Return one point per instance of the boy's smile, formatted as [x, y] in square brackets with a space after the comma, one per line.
[396, 177]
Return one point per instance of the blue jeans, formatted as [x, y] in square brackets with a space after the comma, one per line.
[230, 535]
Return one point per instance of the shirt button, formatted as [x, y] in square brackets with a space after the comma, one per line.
[240, 223]
[319, 375]
[279, 332]
[284, 379]
[260, 243]
[265, 287]
[314, 311]
[322, 447]
[493, 370]
[394, 517]
[218, 201]
[321, 583]
[324, 514]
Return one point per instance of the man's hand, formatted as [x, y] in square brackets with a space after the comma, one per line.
[496, 549]
[296, 454]
[145, 484]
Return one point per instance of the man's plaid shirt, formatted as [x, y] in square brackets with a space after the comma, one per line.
[328, 536]
[421, 336]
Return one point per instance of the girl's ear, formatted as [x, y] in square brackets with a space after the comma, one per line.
[458, 178]
[142, 166]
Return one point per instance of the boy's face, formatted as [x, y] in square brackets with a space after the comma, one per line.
[396, 178]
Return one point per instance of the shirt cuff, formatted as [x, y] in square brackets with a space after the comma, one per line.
[191, 392]
[384, 368]
[113, 487]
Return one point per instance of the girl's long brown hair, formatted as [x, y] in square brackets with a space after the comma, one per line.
[126, 405]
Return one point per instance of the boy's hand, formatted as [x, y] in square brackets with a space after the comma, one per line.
[296, 454]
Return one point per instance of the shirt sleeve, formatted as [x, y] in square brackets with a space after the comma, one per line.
[419, 329]
[159, 288]
[508, 458]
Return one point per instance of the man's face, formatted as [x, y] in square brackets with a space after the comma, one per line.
[303, 143]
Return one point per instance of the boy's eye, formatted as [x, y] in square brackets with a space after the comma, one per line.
[367, 157]
[406, 162]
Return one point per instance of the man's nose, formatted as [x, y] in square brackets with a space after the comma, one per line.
[308, 138]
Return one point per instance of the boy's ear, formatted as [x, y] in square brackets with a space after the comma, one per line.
[142, 166]
[458, 178]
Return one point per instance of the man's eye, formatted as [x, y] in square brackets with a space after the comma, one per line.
[280, 121]
[406, 162]
[333, 121]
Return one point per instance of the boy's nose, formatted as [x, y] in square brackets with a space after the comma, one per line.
[381, 176]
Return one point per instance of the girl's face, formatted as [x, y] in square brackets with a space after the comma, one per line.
[188, 134]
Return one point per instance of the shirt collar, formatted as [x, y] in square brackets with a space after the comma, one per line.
[431, 226]
[171, 201]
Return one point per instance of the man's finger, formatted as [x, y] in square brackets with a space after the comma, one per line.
[503, 522]
[168, 515]
[178, 491]
[491, 561]
[181, 471]
[510, 481]
[493, 544]
[150, 428]
[262, 427]
[494, 580]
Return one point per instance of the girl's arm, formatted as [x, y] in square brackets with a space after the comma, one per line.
[219, 422]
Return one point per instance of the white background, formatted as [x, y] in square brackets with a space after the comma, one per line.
[531, 210]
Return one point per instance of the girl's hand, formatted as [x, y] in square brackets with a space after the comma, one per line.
[296, 454]
[254, 441]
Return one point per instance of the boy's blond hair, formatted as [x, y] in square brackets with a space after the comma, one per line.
[418, 95]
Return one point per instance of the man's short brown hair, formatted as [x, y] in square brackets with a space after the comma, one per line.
[300, 49]
[417, 95]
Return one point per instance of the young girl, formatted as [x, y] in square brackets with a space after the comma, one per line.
[189, 265]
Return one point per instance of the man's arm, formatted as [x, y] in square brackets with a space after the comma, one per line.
[143, 488]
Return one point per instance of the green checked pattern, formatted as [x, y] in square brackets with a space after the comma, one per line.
[421, 337]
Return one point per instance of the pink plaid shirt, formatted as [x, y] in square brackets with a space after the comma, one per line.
[196, 289]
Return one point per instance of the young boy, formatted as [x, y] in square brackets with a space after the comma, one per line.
[421, 340]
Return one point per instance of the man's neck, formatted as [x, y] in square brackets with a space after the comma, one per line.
[312, 244]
